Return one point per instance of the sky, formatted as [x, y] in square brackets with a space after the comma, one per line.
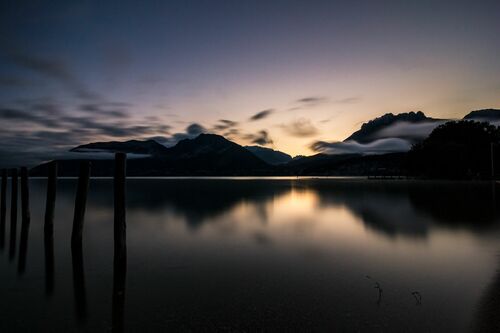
[281, 74]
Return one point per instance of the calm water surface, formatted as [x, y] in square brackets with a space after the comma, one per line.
[253, 255]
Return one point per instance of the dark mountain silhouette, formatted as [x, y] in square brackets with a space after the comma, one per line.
[370, 131]
[453, 150]
[207, 154]
[484, 115]
[148, 147]
[269, 155]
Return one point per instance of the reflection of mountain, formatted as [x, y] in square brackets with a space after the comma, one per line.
[391, 208]
[487, 313]
[382, 207]
[410, 208]
[469, 204]
[196, 200]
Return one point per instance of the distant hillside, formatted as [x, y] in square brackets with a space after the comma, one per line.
[207, 154]
[484, 115]
[373, 129]
[348, 165]
[269, 155]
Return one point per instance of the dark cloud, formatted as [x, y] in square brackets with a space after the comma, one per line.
[21, 116]
[224, 124]
[195, 129]
[261, 115]
[191, 131]
[311, 101]
[39, 130]
[106, 108]
[348, 100]
[300, 128]
[380, 146]
[53, 69]
[260, 138]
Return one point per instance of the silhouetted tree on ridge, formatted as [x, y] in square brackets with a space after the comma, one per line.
[455, 150]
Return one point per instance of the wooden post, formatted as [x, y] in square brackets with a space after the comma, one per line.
[80, 203]
[3, 209]
[49, 228]
[120, 243]
[119, 204]
[13, 214]
[25, 214]
[25, 197]
[76, 241]
[51, 198]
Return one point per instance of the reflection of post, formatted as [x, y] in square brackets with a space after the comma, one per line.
[79, 283]
[76, 241]
[51, 197]
[120, 246]
[80, 203]
[25, 210]
[49, 228]
[13, 215]
[3, 209]
[49, 262]
[492, 154]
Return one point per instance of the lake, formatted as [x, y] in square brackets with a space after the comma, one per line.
[261, 254]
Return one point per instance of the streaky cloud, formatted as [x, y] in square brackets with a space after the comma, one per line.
[261, 115]
[380, 146]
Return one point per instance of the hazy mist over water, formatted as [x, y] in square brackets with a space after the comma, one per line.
[253, 254]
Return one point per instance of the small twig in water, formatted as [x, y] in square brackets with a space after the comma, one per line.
[377, 286]
[418, 297]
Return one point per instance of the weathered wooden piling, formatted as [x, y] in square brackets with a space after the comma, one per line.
[119, 204]
[80, 203]
[51, 197]
[48, 240]
[3, 209]
[25, 218]
[25, 196]
[120, 244]
[13, 215]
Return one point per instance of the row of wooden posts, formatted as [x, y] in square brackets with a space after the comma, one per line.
[80, 202]
[120, 250]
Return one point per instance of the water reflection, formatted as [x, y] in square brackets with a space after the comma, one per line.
[23, 245]
[397, 208]
[13, 215]
[3, 209]
[267, 254]
[80, 293]
[48, 242]
[119, 279]
[487, 318]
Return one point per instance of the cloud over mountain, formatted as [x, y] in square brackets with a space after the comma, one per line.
[380, 146]
[301, 127]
